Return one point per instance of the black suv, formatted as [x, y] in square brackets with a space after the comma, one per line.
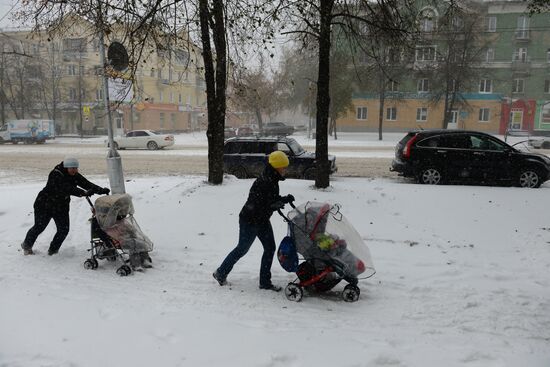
[439, 156]
[247, 156]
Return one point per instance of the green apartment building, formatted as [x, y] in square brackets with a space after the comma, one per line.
[509, 83]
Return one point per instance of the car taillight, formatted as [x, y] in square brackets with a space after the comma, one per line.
[408, 147]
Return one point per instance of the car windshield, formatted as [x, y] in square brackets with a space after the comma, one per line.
[295, 146]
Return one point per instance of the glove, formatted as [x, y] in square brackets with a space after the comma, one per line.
[103, 191]
[277, 205]
[89, 192]
[288, 199]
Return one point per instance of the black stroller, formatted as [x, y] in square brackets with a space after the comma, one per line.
[331, 248]
[114, 233]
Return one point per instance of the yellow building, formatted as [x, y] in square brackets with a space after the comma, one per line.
[483, 113]
[62, 76]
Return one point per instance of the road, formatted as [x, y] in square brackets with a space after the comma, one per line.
[27, 162]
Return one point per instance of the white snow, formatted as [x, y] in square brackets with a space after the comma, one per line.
[462, 280]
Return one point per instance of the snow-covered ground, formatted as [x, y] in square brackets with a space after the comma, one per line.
[462, 280]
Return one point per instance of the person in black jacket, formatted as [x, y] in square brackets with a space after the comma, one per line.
[53, 202]
[263, 200]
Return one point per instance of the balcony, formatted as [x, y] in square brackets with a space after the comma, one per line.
[521, 65]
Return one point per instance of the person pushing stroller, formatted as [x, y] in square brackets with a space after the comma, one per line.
[263, 200]
[53, 202]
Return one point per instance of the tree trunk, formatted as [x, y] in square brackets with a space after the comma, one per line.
[323, 96]
[215, 77]
[446, 110]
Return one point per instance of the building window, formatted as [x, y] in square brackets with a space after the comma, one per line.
[485, 86]
[425, 53]
[161, 119]
[489, 55]
[161, 96]
[391, 113]
[171, 97]
[484, 114]
[547, 86]
[180, 99]
[361, 113]
[548, 55]
[393, 86]
[159, 73]
[491, 23]
[173, 120]
[421, 114]
[428, 21]
[152, 73]
[72, 94]
[518, 86]
[99, 94]
[520, 54]
[522, 30]
[423, 85]
[71, 69]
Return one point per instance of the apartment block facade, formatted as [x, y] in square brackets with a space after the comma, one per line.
[61, 78]
[512, 86]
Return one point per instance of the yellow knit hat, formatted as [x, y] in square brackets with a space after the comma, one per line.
[278, 159]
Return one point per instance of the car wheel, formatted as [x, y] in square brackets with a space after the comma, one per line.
[239, 172]
[545, 145]
[310, 174]
[430, 176]
[152, 145]
[529, 178]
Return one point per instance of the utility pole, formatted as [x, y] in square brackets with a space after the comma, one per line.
[114, 161]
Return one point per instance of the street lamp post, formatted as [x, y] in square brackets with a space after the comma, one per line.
[114, 161]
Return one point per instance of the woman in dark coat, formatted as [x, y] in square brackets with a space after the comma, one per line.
[263, 200]
[53, 203]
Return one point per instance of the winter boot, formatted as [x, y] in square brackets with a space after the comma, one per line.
[221, 280]
[27, 250]
[52, 252]
[271, 287]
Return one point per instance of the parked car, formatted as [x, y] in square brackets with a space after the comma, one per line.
[229, 132]
[277, 129]
[440, 156]
[245, 131]
[247, 157]
[144, 139]
[540, 142]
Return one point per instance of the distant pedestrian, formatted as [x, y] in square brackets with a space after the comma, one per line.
[263, 200]
[53, 203]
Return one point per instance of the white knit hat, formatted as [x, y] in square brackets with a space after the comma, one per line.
[70, 162]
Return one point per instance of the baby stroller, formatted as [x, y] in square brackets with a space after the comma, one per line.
[115, 234]
[331, 248]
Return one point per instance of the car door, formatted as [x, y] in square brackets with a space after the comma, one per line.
[444, 152]
[126, 141]
[491, 158]
[140, 140]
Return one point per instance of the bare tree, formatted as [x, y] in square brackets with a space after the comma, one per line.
[458, 54]
[316, 19]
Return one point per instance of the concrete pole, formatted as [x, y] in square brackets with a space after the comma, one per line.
[114, 161]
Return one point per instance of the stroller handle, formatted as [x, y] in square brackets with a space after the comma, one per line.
[284, 216]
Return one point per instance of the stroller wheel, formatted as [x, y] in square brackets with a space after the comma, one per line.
[351, 293]
[294, 292]
[124, 270]
[91, 264]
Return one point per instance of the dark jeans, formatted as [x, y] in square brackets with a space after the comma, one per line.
[247, 234]
[42, 216]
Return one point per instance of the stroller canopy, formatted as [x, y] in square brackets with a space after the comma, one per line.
[321, 231]
[112, 207]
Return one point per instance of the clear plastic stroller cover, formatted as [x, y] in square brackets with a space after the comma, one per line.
[114, 214]
[321, 231]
